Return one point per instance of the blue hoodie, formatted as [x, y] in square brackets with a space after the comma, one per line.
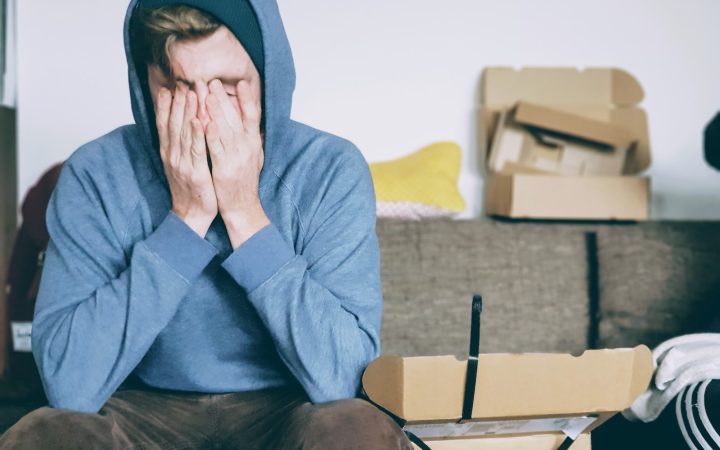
[129, 289]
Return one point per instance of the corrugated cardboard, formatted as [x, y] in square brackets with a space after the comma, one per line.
[513, 388]
[601, 95]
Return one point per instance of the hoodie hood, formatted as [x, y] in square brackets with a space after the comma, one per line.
[278, 72]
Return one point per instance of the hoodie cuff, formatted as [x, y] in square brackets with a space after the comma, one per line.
[180, 247]
[259, 258]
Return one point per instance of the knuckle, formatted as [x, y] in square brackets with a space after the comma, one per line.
[185, 138]
[175, 165]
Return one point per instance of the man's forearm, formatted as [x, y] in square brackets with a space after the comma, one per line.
[86, 345]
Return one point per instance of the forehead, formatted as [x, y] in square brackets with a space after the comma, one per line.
[219, 55]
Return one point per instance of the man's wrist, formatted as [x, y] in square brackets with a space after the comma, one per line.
[242, 226]
[199, 224]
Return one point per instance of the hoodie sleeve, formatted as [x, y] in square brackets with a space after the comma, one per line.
[323, 307]
[101, 303]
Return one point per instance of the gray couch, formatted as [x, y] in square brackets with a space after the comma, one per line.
[547, 287]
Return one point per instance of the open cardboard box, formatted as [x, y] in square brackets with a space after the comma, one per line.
[526, 401]
[535, 138]
[579, 100]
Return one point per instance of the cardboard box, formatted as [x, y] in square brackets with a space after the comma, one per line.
[547, 140]
[531, 442]
[516, 395]
[555, 197]
[594, 105]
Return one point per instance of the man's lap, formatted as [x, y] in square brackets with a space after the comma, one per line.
[276, 418]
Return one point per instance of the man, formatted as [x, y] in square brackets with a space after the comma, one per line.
[216, 256]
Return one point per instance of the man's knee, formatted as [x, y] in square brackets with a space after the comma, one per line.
[54, 428]
[350, 424]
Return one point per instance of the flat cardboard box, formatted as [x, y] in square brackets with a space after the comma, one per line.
[553, 141]
[530, 442]
[515, 394]
[605, 95]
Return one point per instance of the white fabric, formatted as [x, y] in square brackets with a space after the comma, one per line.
[411, 211]
[679, 362]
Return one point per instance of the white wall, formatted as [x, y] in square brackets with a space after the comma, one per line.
[393, 76]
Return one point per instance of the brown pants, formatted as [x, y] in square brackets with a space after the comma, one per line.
[270, 419]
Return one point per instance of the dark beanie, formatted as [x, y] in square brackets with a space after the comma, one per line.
[237, 15]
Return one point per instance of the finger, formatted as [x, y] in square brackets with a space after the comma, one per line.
[222, 127]
[191, 107]
[214, 143]
[189, 114]
[249, 106]
[162, 112]
[186, 140]
[176, 120]
[222, 106]
[199, 150]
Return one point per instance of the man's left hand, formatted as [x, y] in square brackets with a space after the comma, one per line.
[236, 149]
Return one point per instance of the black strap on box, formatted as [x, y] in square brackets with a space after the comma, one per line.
[470, 380]
[416, 440]
[472, 365]
[566, 443]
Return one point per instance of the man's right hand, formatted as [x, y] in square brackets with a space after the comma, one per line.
[184, 156]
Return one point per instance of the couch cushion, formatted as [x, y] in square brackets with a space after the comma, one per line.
[533, 278]
[657, 280]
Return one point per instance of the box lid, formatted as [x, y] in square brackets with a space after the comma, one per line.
[431, 388]
[605, 94]
[605, 87]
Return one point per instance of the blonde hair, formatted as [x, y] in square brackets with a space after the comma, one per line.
[154, 31]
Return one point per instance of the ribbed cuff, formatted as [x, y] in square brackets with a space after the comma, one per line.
[180, 247]
[258, 258]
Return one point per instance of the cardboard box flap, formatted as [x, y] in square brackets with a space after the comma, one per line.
[635, 119]
[510, 385]
[576, 125]
[504, 86]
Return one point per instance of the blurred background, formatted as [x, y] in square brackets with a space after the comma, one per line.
[393, 76]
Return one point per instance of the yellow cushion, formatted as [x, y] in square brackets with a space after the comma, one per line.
[427, 178]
